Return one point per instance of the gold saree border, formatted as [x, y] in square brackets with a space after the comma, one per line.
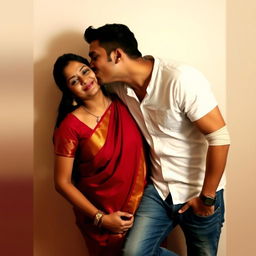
[139, 185]
[99, 136]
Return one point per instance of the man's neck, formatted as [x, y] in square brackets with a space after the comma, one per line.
[140, 76]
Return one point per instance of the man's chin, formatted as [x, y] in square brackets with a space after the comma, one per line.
[111, 83]
[103, 83]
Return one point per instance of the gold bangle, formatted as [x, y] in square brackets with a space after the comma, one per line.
[98, 218]
[101, 221]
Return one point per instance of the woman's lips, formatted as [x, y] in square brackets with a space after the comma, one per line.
[88, 86]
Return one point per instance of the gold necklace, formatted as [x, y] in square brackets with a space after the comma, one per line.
[97, 117]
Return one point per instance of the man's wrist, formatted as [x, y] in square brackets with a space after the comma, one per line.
[207, 200]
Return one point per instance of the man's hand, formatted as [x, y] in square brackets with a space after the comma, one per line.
[198, 207]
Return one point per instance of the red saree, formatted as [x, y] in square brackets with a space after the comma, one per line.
[111, 167]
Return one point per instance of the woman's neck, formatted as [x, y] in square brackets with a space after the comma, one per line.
[98, 103]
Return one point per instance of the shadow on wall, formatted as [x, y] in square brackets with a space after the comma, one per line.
[55, 232]
[176, 242]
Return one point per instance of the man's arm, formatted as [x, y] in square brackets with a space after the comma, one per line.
[217, 153]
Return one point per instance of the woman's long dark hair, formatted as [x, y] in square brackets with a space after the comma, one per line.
[66, 103]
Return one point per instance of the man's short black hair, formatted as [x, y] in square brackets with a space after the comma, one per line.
[113, 36]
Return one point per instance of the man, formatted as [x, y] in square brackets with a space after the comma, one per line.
[179, 117]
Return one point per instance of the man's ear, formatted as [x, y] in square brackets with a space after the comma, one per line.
[118, 55]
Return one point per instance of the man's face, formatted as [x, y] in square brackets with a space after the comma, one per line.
[101, 64]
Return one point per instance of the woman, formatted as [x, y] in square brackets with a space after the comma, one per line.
[99, 157]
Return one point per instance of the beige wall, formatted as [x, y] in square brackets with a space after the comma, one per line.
[241, 81]
[16, 128]
[190, 31]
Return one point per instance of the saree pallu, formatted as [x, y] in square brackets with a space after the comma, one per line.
[111, 167]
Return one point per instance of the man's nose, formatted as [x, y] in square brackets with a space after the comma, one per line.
[92, 65]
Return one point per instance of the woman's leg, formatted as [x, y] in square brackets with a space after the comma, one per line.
[112, 248]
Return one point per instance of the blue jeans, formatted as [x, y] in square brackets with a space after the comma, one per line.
[155, 219]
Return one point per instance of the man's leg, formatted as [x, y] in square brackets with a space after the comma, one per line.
[151, 226]
[203, 233]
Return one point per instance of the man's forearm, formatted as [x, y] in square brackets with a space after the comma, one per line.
[215, 166]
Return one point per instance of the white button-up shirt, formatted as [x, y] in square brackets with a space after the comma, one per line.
[176, 96]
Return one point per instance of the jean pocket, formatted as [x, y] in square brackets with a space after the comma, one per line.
[202, 222]
[216, 211]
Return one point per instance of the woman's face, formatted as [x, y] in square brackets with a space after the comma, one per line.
[81, 80]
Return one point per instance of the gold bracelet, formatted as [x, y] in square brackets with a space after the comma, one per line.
[98, 218]
[100, 221]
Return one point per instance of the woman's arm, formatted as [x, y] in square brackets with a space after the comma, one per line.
[63, 184]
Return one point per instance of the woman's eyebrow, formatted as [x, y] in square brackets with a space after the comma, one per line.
[82, 67]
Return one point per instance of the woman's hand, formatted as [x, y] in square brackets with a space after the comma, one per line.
[118, 222]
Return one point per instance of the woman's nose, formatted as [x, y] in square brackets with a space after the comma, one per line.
[82, 81]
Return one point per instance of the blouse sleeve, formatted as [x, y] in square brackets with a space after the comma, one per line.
[65, 140]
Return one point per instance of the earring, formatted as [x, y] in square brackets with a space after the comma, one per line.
[74, 103]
